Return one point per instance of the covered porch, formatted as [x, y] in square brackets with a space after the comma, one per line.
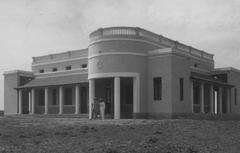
[64, 95]
[120, 94]
[210, 94]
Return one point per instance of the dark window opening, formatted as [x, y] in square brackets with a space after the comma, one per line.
[235, 96]
[195, 65]
[68, 67]
[41, 97]
[84, 65]
[68, 96]
[41, 71]
[54, 69]
[54, 97]
[181, 88]
[157, 87]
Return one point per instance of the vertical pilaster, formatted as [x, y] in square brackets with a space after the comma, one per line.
[60, 100]
[19, 101]
[117, 98]
[77, 99]
[220, 100]
[211, 99]
[33, 100]
[91, 96]
[202, 97]
[46, 100]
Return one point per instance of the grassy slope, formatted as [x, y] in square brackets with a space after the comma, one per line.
[33, 134]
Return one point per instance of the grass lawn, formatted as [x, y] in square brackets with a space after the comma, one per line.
[36, 134]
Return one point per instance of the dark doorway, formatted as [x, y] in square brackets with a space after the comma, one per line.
[25, 102]
[104, 89]
[196, 98]
[83, 99]
[126, 97]
[68, 96]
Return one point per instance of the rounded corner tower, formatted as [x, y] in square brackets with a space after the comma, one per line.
[118, 57]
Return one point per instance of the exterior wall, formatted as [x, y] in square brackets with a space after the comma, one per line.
[233, 78]
[160, 67]
[10, 94]
[11, 81]
[181, 69]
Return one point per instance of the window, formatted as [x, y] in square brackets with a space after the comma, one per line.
[68, 67]
[157, 87]
[235, 96]
[41, 71]
[195, 65]
[54, 96]
[181, 88]
[68, 96]
[54, 69]
[84, 65]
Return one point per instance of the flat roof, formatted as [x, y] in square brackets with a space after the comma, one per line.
[53, 81]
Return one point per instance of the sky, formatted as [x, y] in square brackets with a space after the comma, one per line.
[31, 28]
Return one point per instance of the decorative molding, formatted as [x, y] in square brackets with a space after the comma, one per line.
[117, 53]
[127, 39]
[59, 61]
[113, 74]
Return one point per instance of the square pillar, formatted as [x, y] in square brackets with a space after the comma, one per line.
[19, 101]
[46, 100]
[60, 100]
[117, 98]
[33, 100]
[211, 99]
[220, 100]
[202, 97]
[91, 96]
[135, 95]
[77, 99]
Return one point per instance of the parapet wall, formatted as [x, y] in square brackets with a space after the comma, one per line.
[133, 33]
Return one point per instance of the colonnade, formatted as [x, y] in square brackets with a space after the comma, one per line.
[46, 104]
[215, 99]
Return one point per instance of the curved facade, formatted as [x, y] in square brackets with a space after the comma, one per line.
[139, 74]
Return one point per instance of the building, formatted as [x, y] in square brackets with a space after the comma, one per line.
[138, 73]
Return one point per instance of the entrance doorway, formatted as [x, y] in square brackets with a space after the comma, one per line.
[126, 97]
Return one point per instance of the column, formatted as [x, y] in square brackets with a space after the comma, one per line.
[211, 99]
[220, 100]
[91, 96]
[33, 100]
[46, 100]
[29, 102]
[117, 98]
[19, 101]
[77, 99]
[202, 97]
[192, 97]
[135, 95]
[60, 100]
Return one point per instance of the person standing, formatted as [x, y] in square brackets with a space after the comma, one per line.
[102, 108]
[94, 109]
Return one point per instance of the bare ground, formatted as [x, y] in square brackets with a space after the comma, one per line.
[33, 134]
